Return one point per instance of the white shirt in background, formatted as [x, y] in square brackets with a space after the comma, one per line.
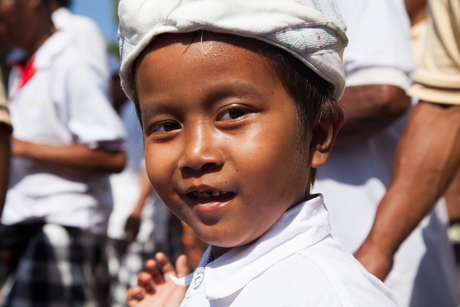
[86, 34]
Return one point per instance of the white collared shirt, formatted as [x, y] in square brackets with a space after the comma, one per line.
[295, 263]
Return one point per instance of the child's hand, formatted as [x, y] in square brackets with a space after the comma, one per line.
[132, 226]
[158, 289]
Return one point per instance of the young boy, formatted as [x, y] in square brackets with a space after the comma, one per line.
[237, 101]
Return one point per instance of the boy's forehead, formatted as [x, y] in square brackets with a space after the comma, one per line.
[204, 38]
[182, 73]
[199, 49]
[208, 43]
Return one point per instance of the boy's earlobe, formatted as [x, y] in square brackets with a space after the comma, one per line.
[324, 134]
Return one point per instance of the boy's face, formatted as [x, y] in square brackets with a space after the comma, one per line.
[13, 24]
[222, 142]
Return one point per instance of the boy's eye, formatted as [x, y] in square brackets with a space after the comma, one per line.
[164, 127]
[233, 113]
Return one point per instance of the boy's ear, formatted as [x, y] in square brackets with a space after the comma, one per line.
[324, 133]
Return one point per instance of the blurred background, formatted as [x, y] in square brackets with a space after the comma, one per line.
[104, 13]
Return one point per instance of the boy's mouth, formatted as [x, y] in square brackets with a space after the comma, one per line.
[210, 196]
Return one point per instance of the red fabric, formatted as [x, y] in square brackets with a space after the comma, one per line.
[26, 72]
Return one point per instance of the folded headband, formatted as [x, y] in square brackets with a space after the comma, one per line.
[311, 30]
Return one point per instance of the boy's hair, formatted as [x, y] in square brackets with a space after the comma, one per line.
[313, 96]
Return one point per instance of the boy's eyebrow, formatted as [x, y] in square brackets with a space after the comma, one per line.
[210, 96]
[157, 108]
[237, 89]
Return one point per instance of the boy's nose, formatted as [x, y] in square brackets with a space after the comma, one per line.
[201, 150]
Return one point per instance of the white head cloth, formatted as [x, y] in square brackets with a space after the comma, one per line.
[311, 30]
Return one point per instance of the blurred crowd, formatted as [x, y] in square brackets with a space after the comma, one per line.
[80, 216]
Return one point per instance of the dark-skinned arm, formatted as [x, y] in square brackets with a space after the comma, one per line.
[4, 162]
[369, 109]
[426, 160]
[133, 223]
[416, 10]
[452, 197]
[76, 156]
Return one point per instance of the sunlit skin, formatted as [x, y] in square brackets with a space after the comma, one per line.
[10, 23]
[24, 23]
[218, 121]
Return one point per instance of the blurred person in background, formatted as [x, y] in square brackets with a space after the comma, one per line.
[378, 65]
[67, 139]
[427, 157]
[139, 225]
[5, 131]
[417, 13]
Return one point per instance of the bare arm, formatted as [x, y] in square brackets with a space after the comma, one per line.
[369, 109]
[77, 156]
[4, 162]
[133, 223]
[426, 160]
[453, 198]
[415, 10]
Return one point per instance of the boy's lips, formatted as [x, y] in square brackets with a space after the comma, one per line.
[208, 200]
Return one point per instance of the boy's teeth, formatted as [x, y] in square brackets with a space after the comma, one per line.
[208, 193]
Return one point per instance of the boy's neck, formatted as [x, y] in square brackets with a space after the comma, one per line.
[41, 39]
[218, 251]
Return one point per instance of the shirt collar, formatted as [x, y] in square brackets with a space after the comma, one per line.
[298, 228]
[41, 59]
[61, 16]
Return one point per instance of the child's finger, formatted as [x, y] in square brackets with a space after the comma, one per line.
[152, 268]
[181, 266]
[144, 282]
[133, 296]
[166, 266]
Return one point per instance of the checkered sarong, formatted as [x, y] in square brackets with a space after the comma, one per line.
[58, 268]
[127, 261]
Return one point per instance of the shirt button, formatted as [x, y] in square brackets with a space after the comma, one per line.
[197, 280]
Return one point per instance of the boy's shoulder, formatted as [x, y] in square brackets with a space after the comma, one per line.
[293, 281]
[324, 274]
